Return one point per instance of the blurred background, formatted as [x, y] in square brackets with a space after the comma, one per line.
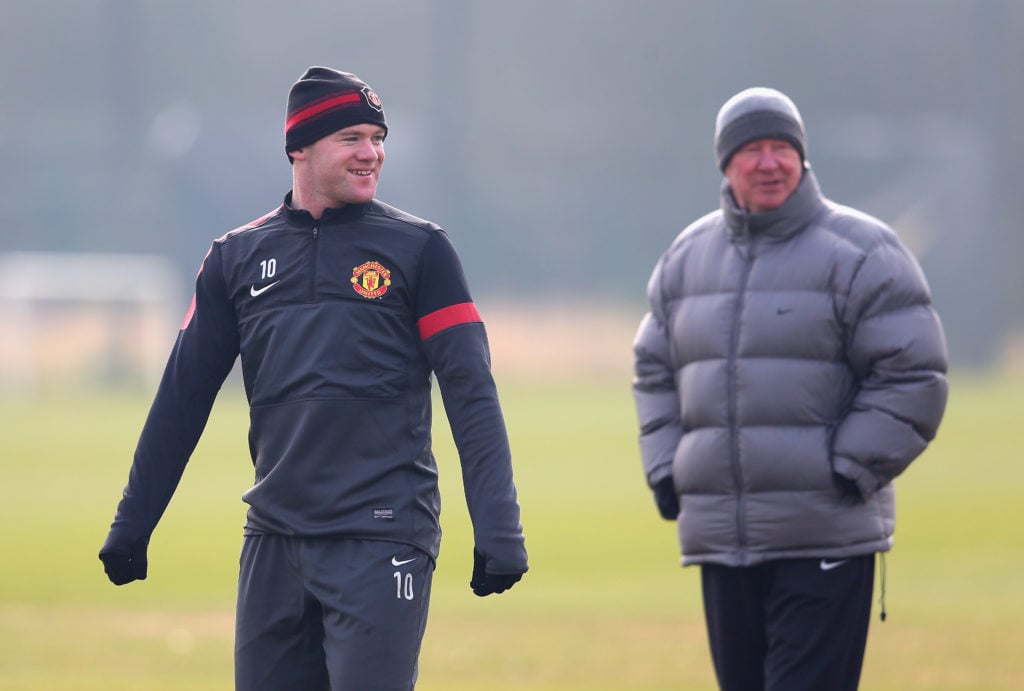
[562, 143]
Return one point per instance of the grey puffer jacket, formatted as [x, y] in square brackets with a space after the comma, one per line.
[783, 348]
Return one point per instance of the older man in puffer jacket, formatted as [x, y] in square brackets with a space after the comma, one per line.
[790, 367]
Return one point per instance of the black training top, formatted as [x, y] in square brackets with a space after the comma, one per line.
[339, 323]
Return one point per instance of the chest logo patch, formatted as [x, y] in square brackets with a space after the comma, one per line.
[371, 280]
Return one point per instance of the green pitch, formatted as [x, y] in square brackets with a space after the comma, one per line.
[605, 605]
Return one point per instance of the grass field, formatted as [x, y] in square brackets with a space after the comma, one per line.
[605, 605]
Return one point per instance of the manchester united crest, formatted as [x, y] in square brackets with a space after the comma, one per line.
[372, 99]
[371, 280]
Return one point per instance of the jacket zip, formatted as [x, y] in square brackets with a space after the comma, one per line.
[315, 253]
[734, 442]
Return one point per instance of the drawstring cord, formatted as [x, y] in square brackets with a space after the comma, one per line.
[881, 597]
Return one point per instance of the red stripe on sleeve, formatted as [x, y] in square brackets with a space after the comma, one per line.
[346, 99]
[447, 317]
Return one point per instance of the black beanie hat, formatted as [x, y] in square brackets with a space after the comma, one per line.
[757, 113]
[324, 101]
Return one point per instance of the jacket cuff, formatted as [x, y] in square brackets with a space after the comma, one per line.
[867, 482]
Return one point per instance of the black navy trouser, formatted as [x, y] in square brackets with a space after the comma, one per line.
[789, 625]
[329, 614]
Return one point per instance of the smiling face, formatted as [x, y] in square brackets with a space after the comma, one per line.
[341, 168]
[763, 173]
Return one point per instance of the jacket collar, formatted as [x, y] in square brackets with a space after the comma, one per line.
[790, 218]
[348, 212]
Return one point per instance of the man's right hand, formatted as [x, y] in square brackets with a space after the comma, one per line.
[666, 498]
[125, 564]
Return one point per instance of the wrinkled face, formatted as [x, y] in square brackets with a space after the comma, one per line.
[764, 173]
[343, 167]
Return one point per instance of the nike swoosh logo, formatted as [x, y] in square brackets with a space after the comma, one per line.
[396, 562]
[256, 292]
[829, 565]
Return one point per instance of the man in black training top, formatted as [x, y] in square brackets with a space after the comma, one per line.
[340, 308]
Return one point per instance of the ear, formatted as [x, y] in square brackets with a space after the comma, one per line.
[298, 154]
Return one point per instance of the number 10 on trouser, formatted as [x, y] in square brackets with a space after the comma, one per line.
[404, 586]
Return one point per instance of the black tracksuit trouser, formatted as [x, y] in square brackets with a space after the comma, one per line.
[330, 614]
[789, 625]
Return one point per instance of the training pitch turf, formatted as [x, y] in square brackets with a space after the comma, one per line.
[605, 605]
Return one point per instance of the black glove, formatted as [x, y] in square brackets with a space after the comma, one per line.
[849, 493]
[484, 583]
[124, 565]
[666, 498]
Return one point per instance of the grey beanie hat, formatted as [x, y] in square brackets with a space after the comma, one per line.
[757, 113]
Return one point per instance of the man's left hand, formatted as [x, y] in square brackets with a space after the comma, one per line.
[484, 583]
[849, 493]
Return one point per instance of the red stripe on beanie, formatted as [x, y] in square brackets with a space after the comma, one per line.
[447, 317]
[343, 100]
